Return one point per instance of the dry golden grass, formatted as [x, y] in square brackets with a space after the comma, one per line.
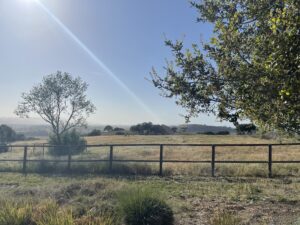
[194, 200]
[204, 153]
[179, 139]
[249, 153]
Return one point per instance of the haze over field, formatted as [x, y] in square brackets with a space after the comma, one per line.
[111, 110]
[111, 44]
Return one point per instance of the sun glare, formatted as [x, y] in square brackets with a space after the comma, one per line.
[28, 1]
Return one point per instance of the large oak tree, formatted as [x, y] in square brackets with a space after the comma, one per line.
[250, 69]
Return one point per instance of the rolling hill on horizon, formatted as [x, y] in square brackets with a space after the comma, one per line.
[34, 127]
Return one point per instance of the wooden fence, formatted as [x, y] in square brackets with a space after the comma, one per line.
[160, 147]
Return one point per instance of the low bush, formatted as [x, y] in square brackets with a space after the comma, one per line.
[94, 132]
[70, 142]
[3, 148]
[142, 207]
[225, 132]
[119, 133]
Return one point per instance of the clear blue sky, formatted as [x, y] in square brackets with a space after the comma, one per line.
[127, 36]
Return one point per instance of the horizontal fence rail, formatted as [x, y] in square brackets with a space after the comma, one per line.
[110, 159]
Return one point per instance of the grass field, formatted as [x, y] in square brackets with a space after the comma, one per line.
[239, 195]
[176, 153]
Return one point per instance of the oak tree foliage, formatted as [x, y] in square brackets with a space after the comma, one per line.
[250, 69]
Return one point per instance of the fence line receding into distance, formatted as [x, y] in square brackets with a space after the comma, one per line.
[160, 147]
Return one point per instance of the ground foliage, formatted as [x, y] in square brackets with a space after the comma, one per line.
[69, 143]
[144, 207]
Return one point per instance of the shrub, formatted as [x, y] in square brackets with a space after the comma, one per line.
[209, 133]
[119, 129]
[141, 207]
[3, 148]
[247, 128]
[70, 142]
[108, 128]
[7, 134]
[94, 132]
[225, 132]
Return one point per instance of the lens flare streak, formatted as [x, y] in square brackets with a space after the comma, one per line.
[97, 60]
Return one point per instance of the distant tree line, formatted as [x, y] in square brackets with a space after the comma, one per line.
[148, 128]
[114, 130]
[151, 129]
[241, 129]
[107, 129]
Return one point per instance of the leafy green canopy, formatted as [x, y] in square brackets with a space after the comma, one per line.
[151, 129]
[250, 69]
[59, 100]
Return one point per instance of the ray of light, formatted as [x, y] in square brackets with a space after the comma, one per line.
[97, 60]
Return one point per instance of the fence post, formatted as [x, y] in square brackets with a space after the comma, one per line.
[270, 161]
[213, 158]
[25, 160]
[43, 150]
[161, 155]
[111, 156]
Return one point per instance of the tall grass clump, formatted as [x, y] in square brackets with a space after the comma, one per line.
[224, 218]
[13, 214]
[70, 142]
[105, 219]
[143, 207]
[49, 213]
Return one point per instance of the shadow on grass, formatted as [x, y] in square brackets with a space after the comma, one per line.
[127, 170]
[52, 168]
